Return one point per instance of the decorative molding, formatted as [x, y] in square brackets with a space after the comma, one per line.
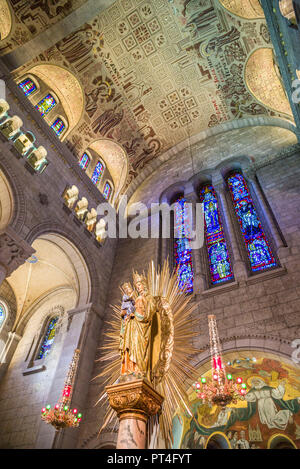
[14, 251]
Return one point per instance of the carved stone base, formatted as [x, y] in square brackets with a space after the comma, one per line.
[134, 402]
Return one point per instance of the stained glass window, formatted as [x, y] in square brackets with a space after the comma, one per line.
[258, 248]
[98, 171]
[84, 161]
[2, 314]
[219, 262]
[182, 247]
[107, 191]
[58, 126]
[28, 86]
[46, 105]
[48, 339]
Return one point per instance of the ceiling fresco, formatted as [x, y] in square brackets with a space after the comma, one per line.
[156, 73]
[31, 17]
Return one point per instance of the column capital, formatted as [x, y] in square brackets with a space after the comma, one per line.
[218, 182]
[250, 174]
[134, 399]
[14, 251]
[80, 309]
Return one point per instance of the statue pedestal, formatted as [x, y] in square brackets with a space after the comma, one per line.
[134, 402]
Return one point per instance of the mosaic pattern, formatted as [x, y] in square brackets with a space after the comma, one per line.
[219, 262]
[46, 104]
[2, 314]
[48, 339]
[107, 191]
[258, 249]
[182, 249]
[98, 171]
[58, 126]
[84, 161]
[157, 73]
[28, 86]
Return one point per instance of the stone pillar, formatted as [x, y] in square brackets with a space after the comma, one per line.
[134, 402]
[239, 266]
[8, 351]
[279, 245]
[198, 259]
[13, 252]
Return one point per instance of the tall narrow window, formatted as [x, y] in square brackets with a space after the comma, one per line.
[46, 104]
[2, 314]
[48, 338]
[98, 171]
[107, 191]
[58, 126]
[219, 262]
[182, 248]
[258, 248]
[28, 86]
[84, 161]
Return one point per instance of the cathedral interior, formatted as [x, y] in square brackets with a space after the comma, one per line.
[162, 101]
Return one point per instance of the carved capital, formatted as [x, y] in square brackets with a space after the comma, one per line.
[13, 250]
[134, 399]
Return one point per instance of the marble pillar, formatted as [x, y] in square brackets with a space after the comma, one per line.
[134, 402]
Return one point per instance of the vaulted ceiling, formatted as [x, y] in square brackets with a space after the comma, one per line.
[156, 73]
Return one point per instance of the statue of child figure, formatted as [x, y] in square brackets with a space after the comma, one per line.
[128, 303]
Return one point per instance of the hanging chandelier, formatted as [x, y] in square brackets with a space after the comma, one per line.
[61, 415]
[221, 389]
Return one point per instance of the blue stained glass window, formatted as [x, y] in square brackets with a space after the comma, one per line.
[98, 171]
[219, 262]
[48, 339]
[2, 314]
[182, 247]
[258, 248]
[107, 191]
[46, 104]
[84, 161]
[58, 126]
[28, 86]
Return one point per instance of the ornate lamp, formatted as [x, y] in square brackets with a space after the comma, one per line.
[62, 416]
[221, 389]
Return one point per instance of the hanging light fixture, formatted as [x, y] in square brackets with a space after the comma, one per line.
[61, 415]
[221, 389]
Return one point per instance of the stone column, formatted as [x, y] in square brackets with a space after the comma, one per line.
[8, 351]
[134, 402]
[239, 266]
[198, 264]
[279, 245]
[13, 252]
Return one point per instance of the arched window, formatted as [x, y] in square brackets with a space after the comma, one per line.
[258, 248]
[48, 339]
[84, 161]
[3, 312]
[182, 248]
[98, 171]
[219, 262]
[58, 126]
[46, 104]
[107, 191]
[28, 86]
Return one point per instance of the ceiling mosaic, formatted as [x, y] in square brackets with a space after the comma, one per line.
[156, 73]
[31, 17]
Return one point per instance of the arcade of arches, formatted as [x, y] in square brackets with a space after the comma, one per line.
[161, 101]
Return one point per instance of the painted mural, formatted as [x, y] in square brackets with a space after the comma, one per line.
[271, 408]
[156, 73]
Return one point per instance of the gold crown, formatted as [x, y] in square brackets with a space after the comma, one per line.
[138, 278]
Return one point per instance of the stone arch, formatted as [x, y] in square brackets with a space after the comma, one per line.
[115, 158]
[6, 202]
[15, 196]
[67, 88]
[264, 82]
[75, 249]
[6, 19]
